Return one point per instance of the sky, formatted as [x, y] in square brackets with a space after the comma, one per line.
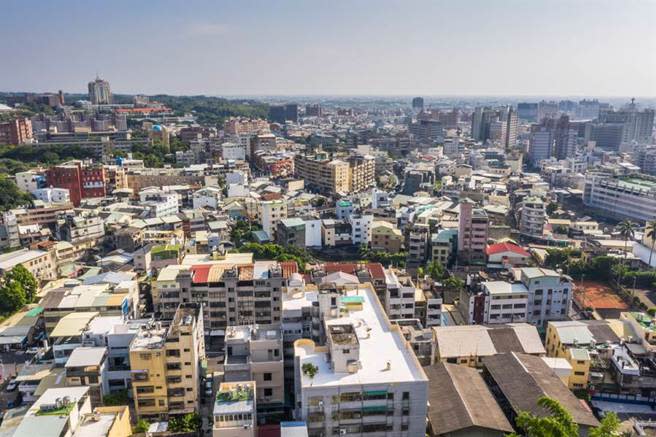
[332, 47]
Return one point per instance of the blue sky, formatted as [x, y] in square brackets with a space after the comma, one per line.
[463, 47]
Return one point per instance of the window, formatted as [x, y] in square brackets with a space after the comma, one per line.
[267, 376]
[268, 392]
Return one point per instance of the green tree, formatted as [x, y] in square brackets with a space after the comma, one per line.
[627, 230]
[189, 422]
[11, 196]
[141, 426]
[650, 230]
[26, 280]
[453, 283]
[559, 423]
[551, 208]
[436, 271]
[117, 398]
[609, 426]
[12, 297]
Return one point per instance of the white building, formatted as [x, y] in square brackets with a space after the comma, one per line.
[28, 180]
[366, 379]
[532, 216]
[236, 151]
[52, 195]
[235, 410]
[549, 294]
[313, 233]
[208, 197]
[505, 302]
[361, 228]
[159, 202]
[400, 296]
[270, 213]
[619, 197]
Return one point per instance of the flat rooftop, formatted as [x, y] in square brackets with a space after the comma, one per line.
[503, 287]
[380, 344]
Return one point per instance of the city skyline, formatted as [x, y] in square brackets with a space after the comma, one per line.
[582, 48]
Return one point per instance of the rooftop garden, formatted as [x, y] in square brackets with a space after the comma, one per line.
[61, 411]
[167, 251]
[235, 395]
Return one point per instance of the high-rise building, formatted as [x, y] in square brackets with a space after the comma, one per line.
[100, 92]
[165, 362]
[588, 109]
[18, 131]
[313, 110]
[511, 120]
[282, 113]
[564, 139]
[621, 198]
[540, 144]
[638, 125]
[418, 103]
[547, 109]
[473, 226]
[527, 111]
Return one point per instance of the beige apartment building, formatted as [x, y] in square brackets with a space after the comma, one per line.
[336, 176]
[165, 363]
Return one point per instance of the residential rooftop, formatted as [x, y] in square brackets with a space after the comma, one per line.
[384, 355]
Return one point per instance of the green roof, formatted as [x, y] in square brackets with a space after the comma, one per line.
[34, 312]
[344, 203]
[243, 394]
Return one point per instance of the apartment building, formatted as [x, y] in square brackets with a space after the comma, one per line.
[579, 342]
[417, 243]
[364, 378]
[83, 229]
[17, 131]
[233, 293]
[42, 215]
[322, 173]
[362, 171]
[82, 181]
[38, 262]
[473, 229]
[291, 232]
[533, 216]
[235, 410]
[617, 197]
[270, 211]
[158, 202]
[400, 295]
[87, 367]
[255, 353]
[443, 246]
[165, 363]
[386, 237]
[535, 295]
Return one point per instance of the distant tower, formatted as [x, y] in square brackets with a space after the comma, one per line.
[418, 104]
[99, 92]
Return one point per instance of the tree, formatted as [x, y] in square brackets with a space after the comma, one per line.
[118, 398]
[453, 283]
[551, 208]
[26, 280]
[608, 428]
[650, 231]
[141, 426]
[12, 297]
[189, 422]
[559, 422]
[436, 271]
[627, 231]
[11, 196]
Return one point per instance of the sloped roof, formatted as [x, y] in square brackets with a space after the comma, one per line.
[523, 379]
[460, 399]
[497, 248]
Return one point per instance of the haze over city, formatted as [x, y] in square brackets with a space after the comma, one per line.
[470, 47]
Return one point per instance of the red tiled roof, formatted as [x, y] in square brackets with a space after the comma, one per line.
[288, 268]
[271, 196]
[200, 273]
[376, 270]
[494, 249]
